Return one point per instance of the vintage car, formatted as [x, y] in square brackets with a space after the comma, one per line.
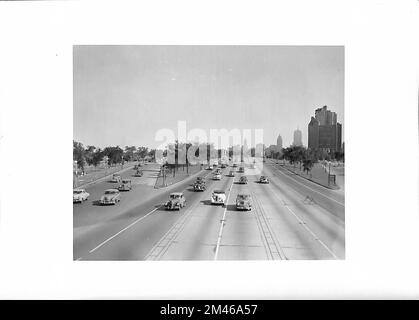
[216, 176]
[235, 165]
[223, 165]
[243, 180]
[217, 171]
[139, 173]
[263, 179]
[244, 202]
[116, 178]
[218, 197]
[241, 170]
[80, 195]
[176, 201]
[231, 173]
[199, 186]
[209, 167]
[125, 185]
[111, 196]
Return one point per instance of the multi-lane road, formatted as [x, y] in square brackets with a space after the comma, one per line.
[291, 218]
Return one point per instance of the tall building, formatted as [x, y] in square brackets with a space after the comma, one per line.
[279, 143]
[324, 132]
[298, 138]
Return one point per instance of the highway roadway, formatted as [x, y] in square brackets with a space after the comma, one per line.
[291, 219]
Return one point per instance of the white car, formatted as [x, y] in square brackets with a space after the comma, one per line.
[216, 176]
[80, 195]
[218, 197]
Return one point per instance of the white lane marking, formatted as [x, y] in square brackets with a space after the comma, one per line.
[220, 233]
[310, 188]
[127, 227]
[313, 234]
[179, 222]
[305, 226]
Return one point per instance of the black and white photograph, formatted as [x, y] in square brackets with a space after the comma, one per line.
[208, 153]
[226, 152]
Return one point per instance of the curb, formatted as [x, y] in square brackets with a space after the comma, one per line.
[318, 183]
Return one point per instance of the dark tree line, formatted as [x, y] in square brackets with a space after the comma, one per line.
[93, 156]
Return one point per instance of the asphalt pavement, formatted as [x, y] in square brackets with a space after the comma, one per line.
[291, 219]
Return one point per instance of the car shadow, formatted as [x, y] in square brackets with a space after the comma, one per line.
[160, 207]
[206, 202]
[96, 203]
[231, 207]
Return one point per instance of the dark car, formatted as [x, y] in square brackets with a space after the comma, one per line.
[264, 179]
[199, 186]
[243, 180]
[139, 173]
[241, 170]
[244, 202]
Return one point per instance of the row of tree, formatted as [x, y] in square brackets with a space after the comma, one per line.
[93, 156]
[306, 158]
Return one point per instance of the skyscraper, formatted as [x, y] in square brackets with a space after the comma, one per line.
[298, 140]
[279, 143]
[324, 132]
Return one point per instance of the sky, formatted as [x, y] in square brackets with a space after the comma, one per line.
[124, 94]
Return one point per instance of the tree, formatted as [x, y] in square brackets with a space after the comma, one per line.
[129, 153]
[114, 154]
[142, 152]
[89, 152]
[97, 157]
[79, 154]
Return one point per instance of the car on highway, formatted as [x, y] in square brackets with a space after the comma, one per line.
[218, 197]
[264, 179]
[244, 202]
[125, 185]
[110, 196]
[80, 195]
[231, 173]
[199, 186]
[139, 173]
[116, 178]
[243, 180]
[216, 176]
[176, 201]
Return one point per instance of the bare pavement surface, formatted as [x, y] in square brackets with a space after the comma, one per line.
[291, 218]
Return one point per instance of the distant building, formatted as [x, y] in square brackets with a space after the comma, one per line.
[279, 143]
[298, 138]
[324, 132]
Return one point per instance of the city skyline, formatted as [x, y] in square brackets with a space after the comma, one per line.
[273, 88]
